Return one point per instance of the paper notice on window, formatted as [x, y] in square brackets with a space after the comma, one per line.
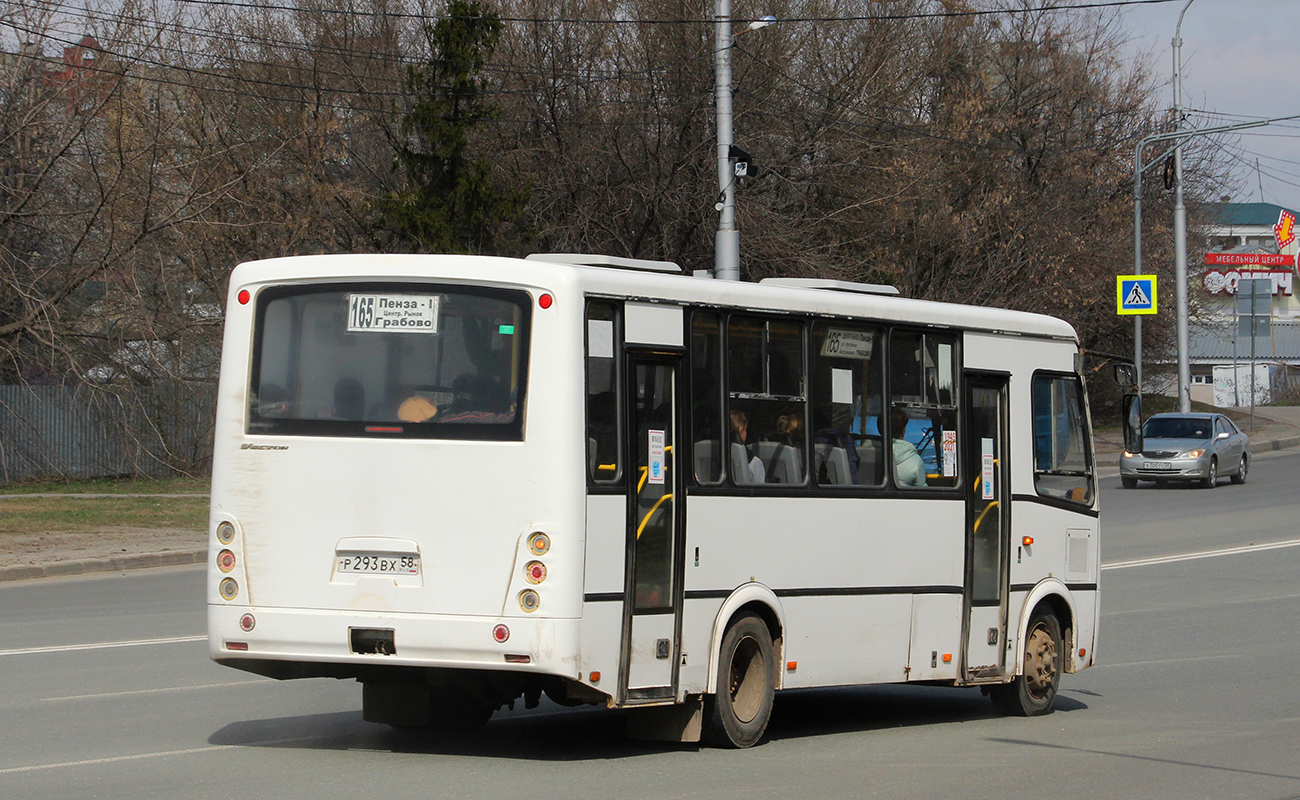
[841, 386]
[600, 338]
[989, 465]
[393, 313]
[657, 466]
[949, 454]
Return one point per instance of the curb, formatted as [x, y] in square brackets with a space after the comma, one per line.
[93, 565]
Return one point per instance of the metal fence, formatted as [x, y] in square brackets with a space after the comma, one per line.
[53, 432]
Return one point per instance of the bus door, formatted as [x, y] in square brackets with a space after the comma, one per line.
[653, 604]
[988, 527]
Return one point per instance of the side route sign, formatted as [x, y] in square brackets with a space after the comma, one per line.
[1135, 294]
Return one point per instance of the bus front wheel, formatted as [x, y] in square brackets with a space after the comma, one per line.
[738, 714]
[1033, 692]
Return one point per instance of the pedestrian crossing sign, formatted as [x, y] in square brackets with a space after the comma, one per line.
[1135, 294]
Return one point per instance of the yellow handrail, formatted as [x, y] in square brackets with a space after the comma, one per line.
[649, 513]
[980, 518]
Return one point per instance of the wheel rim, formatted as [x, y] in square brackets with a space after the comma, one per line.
[1214, 471]
[747, 682]
[1040, 662]
[1242, 473]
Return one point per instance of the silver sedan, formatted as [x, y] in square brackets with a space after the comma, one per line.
[1187, 447]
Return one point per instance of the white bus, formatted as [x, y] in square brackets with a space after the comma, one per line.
[464, 480]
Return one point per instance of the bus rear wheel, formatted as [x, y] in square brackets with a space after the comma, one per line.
[1033, 692]
[738, 714]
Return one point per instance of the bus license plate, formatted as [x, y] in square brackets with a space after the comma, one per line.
[1155, 465]
[379, 564]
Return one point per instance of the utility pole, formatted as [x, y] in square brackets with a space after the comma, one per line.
[726, 258]
[1180, 230]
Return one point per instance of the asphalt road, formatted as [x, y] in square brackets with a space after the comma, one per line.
[108, 693]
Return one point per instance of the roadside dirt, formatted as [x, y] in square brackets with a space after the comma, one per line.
[44, 549]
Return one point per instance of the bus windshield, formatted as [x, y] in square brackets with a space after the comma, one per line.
[393, 359]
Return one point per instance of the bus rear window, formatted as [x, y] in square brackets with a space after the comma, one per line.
[395, 359]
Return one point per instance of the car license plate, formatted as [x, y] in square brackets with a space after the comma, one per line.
[1155, 465]
[379, 563]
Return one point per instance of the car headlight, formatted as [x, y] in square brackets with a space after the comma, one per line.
[1127, 454]
[1197, 453]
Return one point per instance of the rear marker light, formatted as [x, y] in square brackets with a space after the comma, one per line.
[225, 561]
[529, 600]
[539, 543]
[228, 588]
[500, 633]
[236, 645]
[535, 571]
[247, 623]
[244, 297]
[545, 301]
[225, 533]
[513, 659]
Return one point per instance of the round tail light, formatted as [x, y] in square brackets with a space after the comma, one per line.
[535, 572]
[229, 589]
[529, 600]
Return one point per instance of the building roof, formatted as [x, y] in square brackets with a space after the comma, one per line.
[1239, 214]
[1214, 345]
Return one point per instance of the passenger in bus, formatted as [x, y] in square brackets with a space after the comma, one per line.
[349, 399]
[909, 469]
[740, 434]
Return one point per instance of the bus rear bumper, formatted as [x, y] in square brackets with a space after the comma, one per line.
[287, 643]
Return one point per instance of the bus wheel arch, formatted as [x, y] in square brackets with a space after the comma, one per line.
[1049, 595]
[752, 598]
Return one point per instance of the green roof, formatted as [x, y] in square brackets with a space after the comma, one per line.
[1265, 214]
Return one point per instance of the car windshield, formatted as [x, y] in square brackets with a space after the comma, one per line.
[1177, 428]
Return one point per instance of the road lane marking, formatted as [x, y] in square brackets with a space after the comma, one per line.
[162, 690]
[1227, 551]
[139, 756]
[1164, 661]
[66, 648]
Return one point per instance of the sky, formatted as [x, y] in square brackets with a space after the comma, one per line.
[1241, 59]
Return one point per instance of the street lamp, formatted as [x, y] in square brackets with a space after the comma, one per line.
[726, 264]
[1180, 229]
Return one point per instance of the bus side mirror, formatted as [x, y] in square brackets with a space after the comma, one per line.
[1131, 407]
[1125, 375]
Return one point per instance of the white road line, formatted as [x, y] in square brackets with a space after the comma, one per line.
[1228, 551]
[65, 648]
[163, 690]
[139, 756]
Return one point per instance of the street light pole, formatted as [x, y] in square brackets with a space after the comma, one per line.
[726, 253]
[1180, 230]
[726, 259]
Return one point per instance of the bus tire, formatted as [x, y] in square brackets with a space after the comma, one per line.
[738, 714]
[1033, 692]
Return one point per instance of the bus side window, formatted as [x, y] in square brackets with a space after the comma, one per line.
[923, 408]
[1062, 467]
[847, 380]
[604, 459]
[707, 430]
[766, 401]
